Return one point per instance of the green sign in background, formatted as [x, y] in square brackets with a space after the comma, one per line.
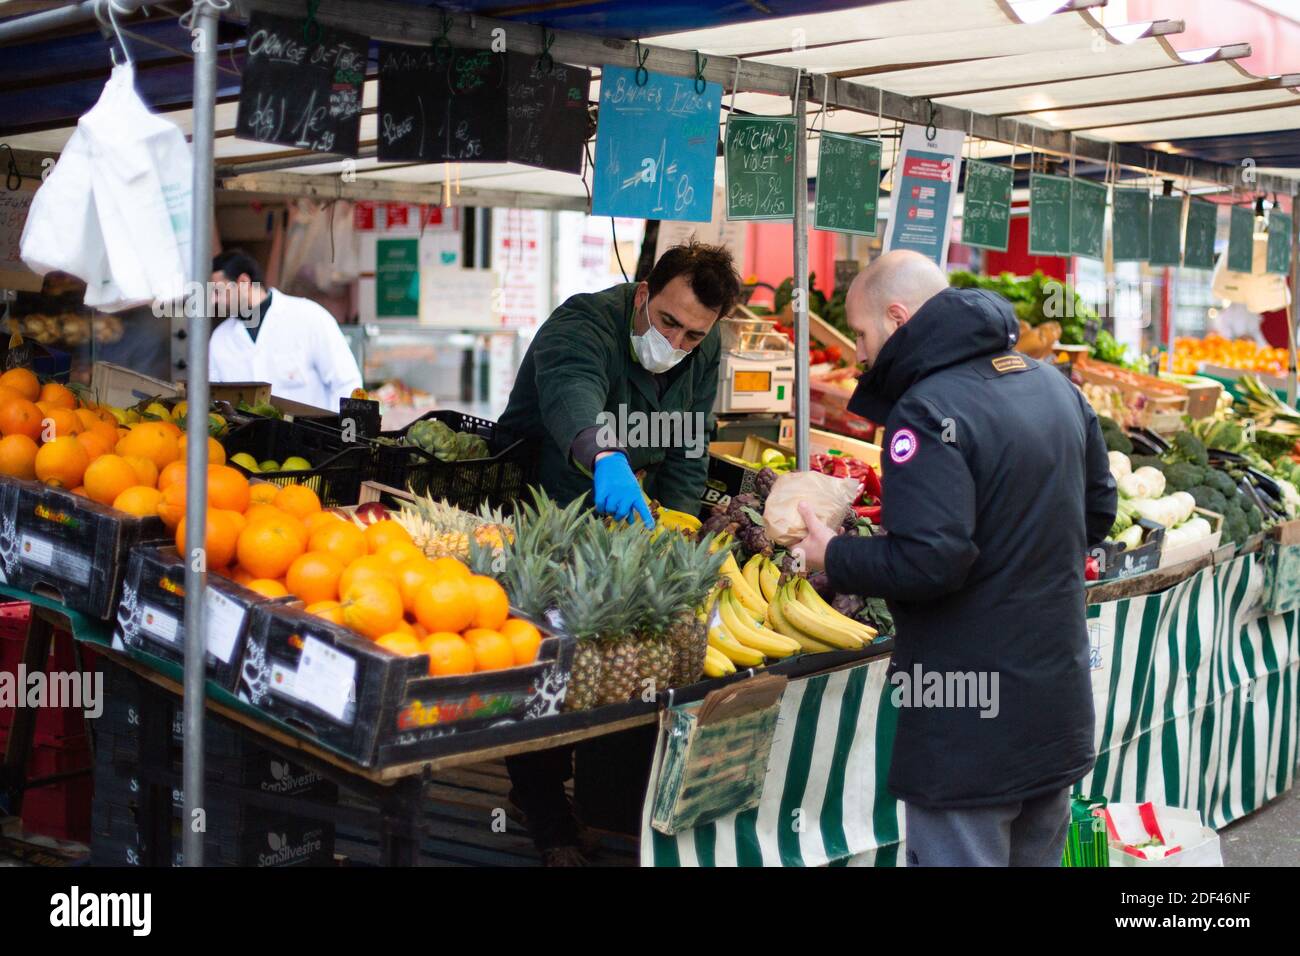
[1166, 231]
[1241, 239]
[986, 214]
[397, 277]
[1279, 243]
[1087, 219]
[1202, 224]
[760, 167]
[1131, 225]
[1049, 215]
[848, 184]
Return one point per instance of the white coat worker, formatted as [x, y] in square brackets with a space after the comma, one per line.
[269, 336]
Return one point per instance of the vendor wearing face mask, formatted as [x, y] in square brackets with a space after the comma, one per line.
[637, 352]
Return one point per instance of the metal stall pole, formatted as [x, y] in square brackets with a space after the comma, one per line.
[1290, 309]
[801, 392]
[204, 29]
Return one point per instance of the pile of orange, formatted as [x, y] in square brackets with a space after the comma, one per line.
[1214, 349]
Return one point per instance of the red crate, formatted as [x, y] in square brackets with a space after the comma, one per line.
[60, 810]
[14, 618]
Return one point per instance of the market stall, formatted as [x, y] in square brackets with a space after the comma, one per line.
[362, 703]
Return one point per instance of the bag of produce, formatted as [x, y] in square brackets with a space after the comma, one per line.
[829, 497]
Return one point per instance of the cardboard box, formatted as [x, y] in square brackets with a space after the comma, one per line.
[254, 393]
[376, 707]
[121, 387]
[151, 613]
[1116, 564]
[63, 543]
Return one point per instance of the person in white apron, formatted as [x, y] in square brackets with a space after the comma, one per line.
[270, 336]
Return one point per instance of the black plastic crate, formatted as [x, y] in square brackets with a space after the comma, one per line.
[497, 480]
[337, 468]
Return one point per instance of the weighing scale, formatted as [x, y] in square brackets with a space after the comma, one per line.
[755, 378]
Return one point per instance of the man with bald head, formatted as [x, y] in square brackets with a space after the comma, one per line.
[996, 482]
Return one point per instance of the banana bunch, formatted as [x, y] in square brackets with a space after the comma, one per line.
[798, 612]
[716, 663]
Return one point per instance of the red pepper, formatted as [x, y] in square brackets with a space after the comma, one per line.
[1091, 569]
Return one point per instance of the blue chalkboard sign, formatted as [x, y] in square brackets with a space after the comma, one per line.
[656, 147]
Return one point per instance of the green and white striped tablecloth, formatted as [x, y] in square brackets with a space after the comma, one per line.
[1197, 693]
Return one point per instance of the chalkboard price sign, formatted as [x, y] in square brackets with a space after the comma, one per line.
[1131, 225]
[1087, 219]
[1166, 231]
[1241, 240]
[656, 147]
[1198, 245]
[1279, 243]
[986, 216]
[760, 167]
[546, 112]
[1049, 215]
[848, 184]
[298, 93]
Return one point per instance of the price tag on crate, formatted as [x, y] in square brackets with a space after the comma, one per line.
[225, 620]
[325, 678]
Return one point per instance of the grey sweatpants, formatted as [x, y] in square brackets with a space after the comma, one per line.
[1025, 833]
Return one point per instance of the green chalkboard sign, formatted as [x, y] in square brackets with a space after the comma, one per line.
[986, 215]
[1202, 224]
[1241, 239]
[1087, 219]
[1049, 215]
[760, 167]
[848, 184]
[1279, 243]
[1131, 225]
[397, 277]
[1166, 231]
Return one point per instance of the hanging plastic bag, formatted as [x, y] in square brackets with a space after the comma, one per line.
[829, 497]
[1142, 835]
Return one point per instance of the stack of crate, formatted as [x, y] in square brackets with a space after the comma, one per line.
[138, 808]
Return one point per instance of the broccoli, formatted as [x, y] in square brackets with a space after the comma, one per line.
[1147, 461]
[1235, 528]
[1225, 435]
[1254, 520]
[1210, 499]
[1247, 502]
[1183, 476]
[1114, 436]
[1187, 447]
[1221, 482]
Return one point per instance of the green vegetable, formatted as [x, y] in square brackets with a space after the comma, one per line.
[1254, 520]
[1221, 483]
[1235, 526]
[1210, 499]
[1183, 476]
[1131, 537]
[1147, 461]
[1122, 523]
[1187, 447]
[1116, 440]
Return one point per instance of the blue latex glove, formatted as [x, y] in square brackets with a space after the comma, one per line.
[617, 492]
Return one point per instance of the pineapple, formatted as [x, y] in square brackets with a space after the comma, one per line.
[585, 613]
[661, 595]
[688, 635]
[443, 530]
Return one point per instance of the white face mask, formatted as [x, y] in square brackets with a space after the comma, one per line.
[655, 353]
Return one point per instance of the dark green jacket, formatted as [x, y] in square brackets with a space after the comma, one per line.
[581, 364]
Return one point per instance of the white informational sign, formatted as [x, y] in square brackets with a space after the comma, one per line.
[586, 260]
[14, 205]
[325, 678]
[719, 231]
[925, 187]
[458, 298]
[521, 259]
[436, 227]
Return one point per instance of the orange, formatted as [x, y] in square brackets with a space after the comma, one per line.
[216, 454]
[524, 638]
[240, 576]
[152, 440]
[80, 490]
[262, 492]
[8, 395]
[329, 610]
[60, 396]
[21, 418]
[170, 473]
[94, 445]
[401, 643]
[405, 627]
[342, 539]
[145, 470]
[492, 651]
[448, 654]
[227, 488]
[260, 512]
[318, 518]
[107, 477]
[238, 519]
[450, 567]
[219, 538]
[171, 507]
[23, 381]
[139, 500]
[90, 420]
[267, 547]
[493, 605]
[62, 463]
[106, 432]
[314, 576]
[399, 552]
[445, 605]
[18, 457]
[412, 575]
[373, 608]
[299, 500]
[370, 568]
[59, 422]
[171, 428]
[383, 533]
[267, 587]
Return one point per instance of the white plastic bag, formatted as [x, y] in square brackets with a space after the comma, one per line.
[830, 499]
[1143, 835]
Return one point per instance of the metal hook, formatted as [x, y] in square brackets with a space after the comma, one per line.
[701, 84]
[642, 75]
[104, 13]
[931, 131]
[440, 42]
[546, 62]
[13, 176]
[311, 28]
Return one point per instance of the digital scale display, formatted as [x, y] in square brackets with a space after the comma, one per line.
[751, 381]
